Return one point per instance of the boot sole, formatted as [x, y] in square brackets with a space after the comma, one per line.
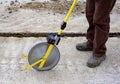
[93, 66]
[83, 49]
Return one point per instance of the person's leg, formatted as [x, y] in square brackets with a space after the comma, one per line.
[88, 46]
[90, 9]
[101, 22]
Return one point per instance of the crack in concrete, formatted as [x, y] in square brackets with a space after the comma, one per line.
[22, 34]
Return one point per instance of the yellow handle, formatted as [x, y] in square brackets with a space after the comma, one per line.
[68, 15]
[59, 33]
[70, 11]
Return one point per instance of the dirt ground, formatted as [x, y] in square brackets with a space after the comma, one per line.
[58, 6]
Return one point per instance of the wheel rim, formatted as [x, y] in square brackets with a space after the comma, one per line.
[38, 52]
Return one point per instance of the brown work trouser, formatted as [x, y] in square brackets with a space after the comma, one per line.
[98, 16]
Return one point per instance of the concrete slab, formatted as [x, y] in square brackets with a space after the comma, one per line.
[71, 69]
[31, 21]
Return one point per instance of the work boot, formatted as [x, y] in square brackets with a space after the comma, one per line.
[83, 47]
[95, 61]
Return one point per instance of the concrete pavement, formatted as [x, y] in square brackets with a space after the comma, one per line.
[71, 69]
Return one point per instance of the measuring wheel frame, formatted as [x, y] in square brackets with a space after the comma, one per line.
[38, 51]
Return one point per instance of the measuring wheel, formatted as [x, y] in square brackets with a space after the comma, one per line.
[45, 56]
[38, 51]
